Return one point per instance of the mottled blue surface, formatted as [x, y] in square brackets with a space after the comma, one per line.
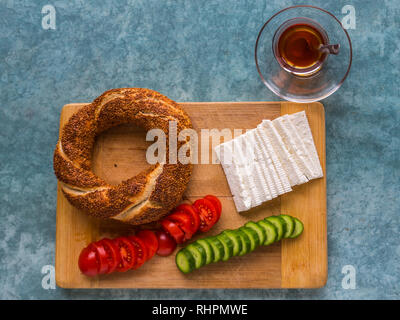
[193, 51]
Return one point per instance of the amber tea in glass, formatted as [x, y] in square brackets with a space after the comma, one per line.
[297, 46]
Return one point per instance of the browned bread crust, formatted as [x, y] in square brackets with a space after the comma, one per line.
[141, 199]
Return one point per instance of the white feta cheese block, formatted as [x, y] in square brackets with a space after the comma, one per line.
[240, 193]
[293, 145]
[279, 179]
[292, 170]
[260, 167]
[300, 122]
[244, 159]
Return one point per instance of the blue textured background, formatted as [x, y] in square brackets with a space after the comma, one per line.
[193, 51]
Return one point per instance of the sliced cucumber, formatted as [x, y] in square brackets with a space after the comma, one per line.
[253, 236]
[289, 225]
[270, 231]
[198, 253]
[260, 231]
[298, 228]
[228, 246]
[217, 247]
[246, 245]
[208, 249]
[279, 225]
[237, 242]
[185, 261]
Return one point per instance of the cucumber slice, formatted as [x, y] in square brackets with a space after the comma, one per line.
[279, 225]
[208, 249]
[289, 225]
[284, 224]
[185, 261]
[270, 231]
[198, 253]
[217, 247]
[246, 245]
[298, 228]
[260, 231]
[237, 242]
[253, 236]
[228, 246]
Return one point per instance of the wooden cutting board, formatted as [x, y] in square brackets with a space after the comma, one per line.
[120, 153]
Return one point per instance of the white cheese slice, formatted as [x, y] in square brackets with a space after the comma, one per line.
[302, 147]
[300, 122]
[241, 196]
[279, 178]
[273, 181]
[293, 145]
[260, 167]
[244, 158]
[292, 170]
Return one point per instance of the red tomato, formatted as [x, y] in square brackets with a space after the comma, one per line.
[88, 262]
[173, 230]
[208, 214]
[166, 245]
[141, 251]
[150, 240]
[189, 209]
[101, 255]
[215, 201]
[127, 252]
[184, 221]
[113, 255]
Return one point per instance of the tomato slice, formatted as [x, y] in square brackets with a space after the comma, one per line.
[208, 214]
[128, 253]
[141, 251]
[173, 230]
[101, 256]
[192, 211]
[184, 221]
[150, 240]
[113, 255]
[216, 202]
[89, 262]
[166, 245]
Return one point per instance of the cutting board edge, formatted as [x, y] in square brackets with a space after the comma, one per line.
[203, 102]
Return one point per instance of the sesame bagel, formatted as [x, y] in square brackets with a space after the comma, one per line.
[144, 198]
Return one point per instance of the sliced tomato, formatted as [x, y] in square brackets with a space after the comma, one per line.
[141, 251]
[89, 262]
[173, 230]
[184, 221]
[192, 211]
[128, 253]
[101, 256]
[208, 214]
[216, 202]
[150, 240]
[166, 244]
[113, 255]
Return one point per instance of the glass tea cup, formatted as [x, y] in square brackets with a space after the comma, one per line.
[310, 82]
[297, 46]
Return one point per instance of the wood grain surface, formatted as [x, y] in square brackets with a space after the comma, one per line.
[119, 154]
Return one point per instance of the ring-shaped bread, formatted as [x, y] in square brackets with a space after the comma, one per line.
[143, 198]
